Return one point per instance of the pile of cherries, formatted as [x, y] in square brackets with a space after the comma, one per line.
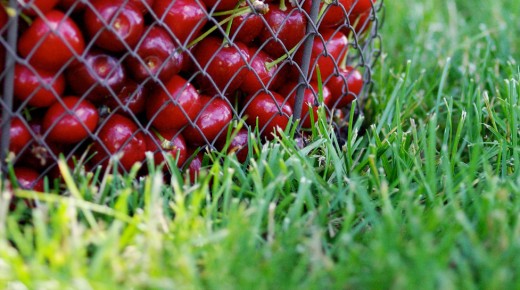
[125, 77]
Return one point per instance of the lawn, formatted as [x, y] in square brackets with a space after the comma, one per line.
[426, 198]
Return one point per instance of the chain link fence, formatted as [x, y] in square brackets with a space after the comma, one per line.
[95, 79]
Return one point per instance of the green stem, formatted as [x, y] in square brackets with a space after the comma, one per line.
[212, 29]
[282, 5]
[275, 62]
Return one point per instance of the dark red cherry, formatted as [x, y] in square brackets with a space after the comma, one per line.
[259, 76]
[157, 56]
[328, 51]
[70, 121]
[245, 28]
[238, 145]
[30, 83]
[270, 111]
[51, 42]
[223, 65]
[171, 106]
[211, 122]
[310, 100]
[345, 87]
[119, 135]
[19, 135]
[335, 14]
[284, 30]
[114, 25]
[37, 7]
[220, 5]
[98, 75]
[184, 18]
[169, 142]
[132, 98]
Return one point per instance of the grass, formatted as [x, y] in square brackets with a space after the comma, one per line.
[427, 198]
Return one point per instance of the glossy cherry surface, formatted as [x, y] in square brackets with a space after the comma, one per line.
[172, 106]
[70, 122]
[29, 85]
[52, 41]
[270, 111]
[184, 18]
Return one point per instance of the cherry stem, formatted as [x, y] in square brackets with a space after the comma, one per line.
[322, 10]
[239, 12]
[282, 5]
[270, 65]
[228, 26]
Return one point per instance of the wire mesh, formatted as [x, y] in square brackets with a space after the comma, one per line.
[96, 79]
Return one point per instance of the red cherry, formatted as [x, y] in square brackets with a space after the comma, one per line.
[259, 76]
[238, 145]
[70, 122]
[113, 23]
[30, 83]
[223, 66]
[28, 179]
[98, 75]
[335, 14]
[310, 99]
[361, 6]
[345, 87]
[185, 18]
[170, 106]
[211, 122]
[360, 23]
[328, 51]
[270, 111]
[170, 142]
[245, 28]
[195, 164]
[132, 98]
[52, 41]
[119, 135]
[37, 7]
[284, 30]
[19, 135]
[157, 56]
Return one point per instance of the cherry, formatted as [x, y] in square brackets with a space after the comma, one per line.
[194, 166]
[259, 75]
[246, 27]
[143, 5]
[70, 122]
[223, 65]
[212, 121]
[28, 179]
[166, 142]
[270, 111]
[345, 87]
[132, 97]
[97, 75]
[238, 145]
[36, 7]
[30, 85]
[113, 23]
[361, 6]
[328, 51]
[310, 100]
[157, 56]
[335, 14]
[360, 22]
[119, 135]
[283, 30]
[172, 105]
[19, 135]
[184, 18]
[52, 41]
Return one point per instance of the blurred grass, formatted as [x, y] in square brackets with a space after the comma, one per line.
[426, 199]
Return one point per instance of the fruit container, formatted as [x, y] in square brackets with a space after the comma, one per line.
[106, 81]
